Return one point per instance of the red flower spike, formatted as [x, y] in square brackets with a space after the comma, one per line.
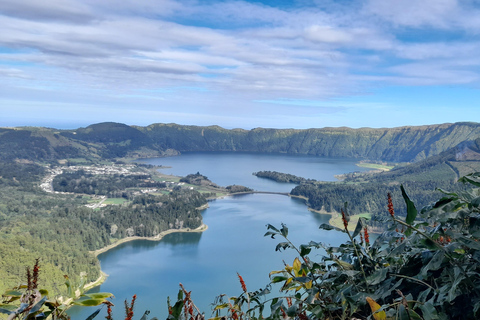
[109, 313]
[36, 269]
[29, 279]
[390, 205]
[129, 309]
[344, 219]
[367, 236]
[244, 287]
[289, 301]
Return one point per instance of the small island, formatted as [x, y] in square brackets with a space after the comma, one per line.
[282, 177]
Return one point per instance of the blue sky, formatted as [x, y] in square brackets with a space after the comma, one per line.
[246, 64]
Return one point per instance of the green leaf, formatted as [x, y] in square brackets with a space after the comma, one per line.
[470, 243]
[377, 277]
[292, 311]
[276, 304]
[87, 302]
[422, 296]
[284, 230]
[93, 315]
[428, 310]
[326, 226]
[99, 295]
[70, 291]
[434, 264]
[176, 310]
[458, 276]
[13, 293]
[412, 315]
[411, 209]
[37, 306]
[270, 227]
[473, 178]
[270, 233]
[278, 279]
[221, 306]
[304, 250]
[282, 245]
[318, 312]
[360, 225]
[180, 295]
[2, 310]
[476, 202]
[344, 265]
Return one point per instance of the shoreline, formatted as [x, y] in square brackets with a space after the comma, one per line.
[158, 237]
[103, 276]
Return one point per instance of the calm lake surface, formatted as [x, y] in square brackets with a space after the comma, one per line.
[207, 263]
[227, 168]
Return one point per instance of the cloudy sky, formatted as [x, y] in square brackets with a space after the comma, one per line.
[270, 63]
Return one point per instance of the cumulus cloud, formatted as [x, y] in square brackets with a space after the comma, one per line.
[442, 14]
[242, 49]
[68, 11]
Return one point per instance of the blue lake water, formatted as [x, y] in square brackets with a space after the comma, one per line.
[227, 168]
[207, 263]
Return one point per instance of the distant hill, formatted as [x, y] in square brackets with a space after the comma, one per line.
[366, 192]
[403, 144]
[115, 140]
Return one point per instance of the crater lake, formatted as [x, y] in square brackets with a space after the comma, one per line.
[207, 263]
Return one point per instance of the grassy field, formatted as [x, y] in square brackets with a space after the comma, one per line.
[375, 166]
[336, 220]
[115, 201]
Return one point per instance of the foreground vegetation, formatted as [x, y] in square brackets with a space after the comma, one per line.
[425, 266]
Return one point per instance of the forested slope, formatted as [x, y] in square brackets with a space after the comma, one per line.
[403, 144]
[60, 229]
[115, 140]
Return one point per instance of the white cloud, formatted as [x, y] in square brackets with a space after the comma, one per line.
[236, 51]
[69, 11]
[441, 14]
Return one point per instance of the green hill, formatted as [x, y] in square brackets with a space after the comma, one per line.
[366, 192]
[114, 140]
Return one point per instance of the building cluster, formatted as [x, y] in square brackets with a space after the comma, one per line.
[46, 184]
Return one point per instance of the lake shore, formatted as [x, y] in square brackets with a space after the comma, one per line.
[103, 276]
[158, 237]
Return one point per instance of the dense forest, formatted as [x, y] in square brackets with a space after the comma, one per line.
[61, 230]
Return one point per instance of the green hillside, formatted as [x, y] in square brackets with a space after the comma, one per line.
[114, 140]
[366, 192]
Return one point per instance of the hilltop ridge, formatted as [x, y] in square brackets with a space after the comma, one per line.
[116, 140]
